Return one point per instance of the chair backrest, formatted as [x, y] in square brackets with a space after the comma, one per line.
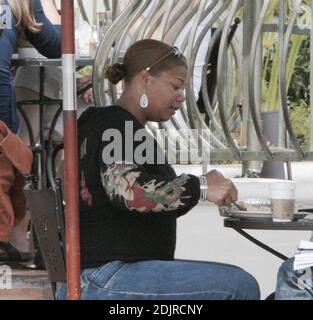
[47, 216]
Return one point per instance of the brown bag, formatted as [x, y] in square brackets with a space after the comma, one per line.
[15, 161]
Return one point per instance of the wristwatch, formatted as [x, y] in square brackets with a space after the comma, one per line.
[203, 188]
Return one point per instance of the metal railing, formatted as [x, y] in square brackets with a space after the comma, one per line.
[234, 112]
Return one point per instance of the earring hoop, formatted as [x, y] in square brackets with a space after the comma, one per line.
[144, 102]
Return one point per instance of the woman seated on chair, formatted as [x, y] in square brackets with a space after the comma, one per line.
[39, 22]
[129, 207]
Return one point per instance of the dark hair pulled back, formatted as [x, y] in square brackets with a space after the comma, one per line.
[141, 55]
[115, 72]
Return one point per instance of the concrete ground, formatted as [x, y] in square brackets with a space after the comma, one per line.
[202, 236]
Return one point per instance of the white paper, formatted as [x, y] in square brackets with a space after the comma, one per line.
[305, 245]
[304, 256]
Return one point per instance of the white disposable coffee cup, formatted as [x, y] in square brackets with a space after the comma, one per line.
[283, 201]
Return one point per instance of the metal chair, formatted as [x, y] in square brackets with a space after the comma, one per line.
[47, 215]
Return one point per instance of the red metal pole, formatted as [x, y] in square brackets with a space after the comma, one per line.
[70, 151]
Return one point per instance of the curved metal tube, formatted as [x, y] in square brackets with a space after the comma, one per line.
[214, 18]
[129, 22]
[194, 115]
[148, 20]
[171, 37]
[221, 67]
[253, 102]
[27, 123]
[205, 95]
[104, 51]
[50, 171]
[189, 54]
[131, 19]
[107, 5]
[83, 11]
[156, 20]
[213, 118]
[173, 122]
[166, 20]
[234, 111]
[191, 99]
[177, 18]
[155, 15]
[283, 89]
[114, 9]
[207, 104]
[167, 11]
[190, 11]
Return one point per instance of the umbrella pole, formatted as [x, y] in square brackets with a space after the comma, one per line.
[70, 151]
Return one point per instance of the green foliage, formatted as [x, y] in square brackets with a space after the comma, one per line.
[299, 85]
[297, 69]
[300, 119]
[86, 71]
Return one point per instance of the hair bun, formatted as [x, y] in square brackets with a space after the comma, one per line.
[115, 72]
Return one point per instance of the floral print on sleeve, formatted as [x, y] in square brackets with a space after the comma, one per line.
[135, 190]
[84, 192]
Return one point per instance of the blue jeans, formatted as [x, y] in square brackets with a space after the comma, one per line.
[165, 280]
[8, 109]
[294, 285]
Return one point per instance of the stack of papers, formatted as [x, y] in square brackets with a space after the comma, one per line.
[304, 256]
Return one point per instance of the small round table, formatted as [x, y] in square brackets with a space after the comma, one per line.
[300, 223]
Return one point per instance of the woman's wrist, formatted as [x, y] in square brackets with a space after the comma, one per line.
[203, 188]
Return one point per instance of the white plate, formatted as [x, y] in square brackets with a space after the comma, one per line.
[251, 215]
[262, 210]
[256, 208]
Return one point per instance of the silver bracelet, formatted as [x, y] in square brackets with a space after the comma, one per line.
[203, 188]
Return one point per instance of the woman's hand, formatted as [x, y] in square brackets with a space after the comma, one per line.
[221, 191]
[88, 94]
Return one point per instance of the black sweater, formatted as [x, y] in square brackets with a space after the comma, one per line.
[128, 208]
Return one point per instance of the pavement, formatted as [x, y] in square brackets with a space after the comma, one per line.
[202, 236]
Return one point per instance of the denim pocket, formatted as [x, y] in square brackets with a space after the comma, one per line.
[103, 276]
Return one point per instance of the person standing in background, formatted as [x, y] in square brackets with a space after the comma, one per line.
[39, 23]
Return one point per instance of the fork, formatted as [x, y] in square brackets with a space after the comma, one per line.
[239, 206]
